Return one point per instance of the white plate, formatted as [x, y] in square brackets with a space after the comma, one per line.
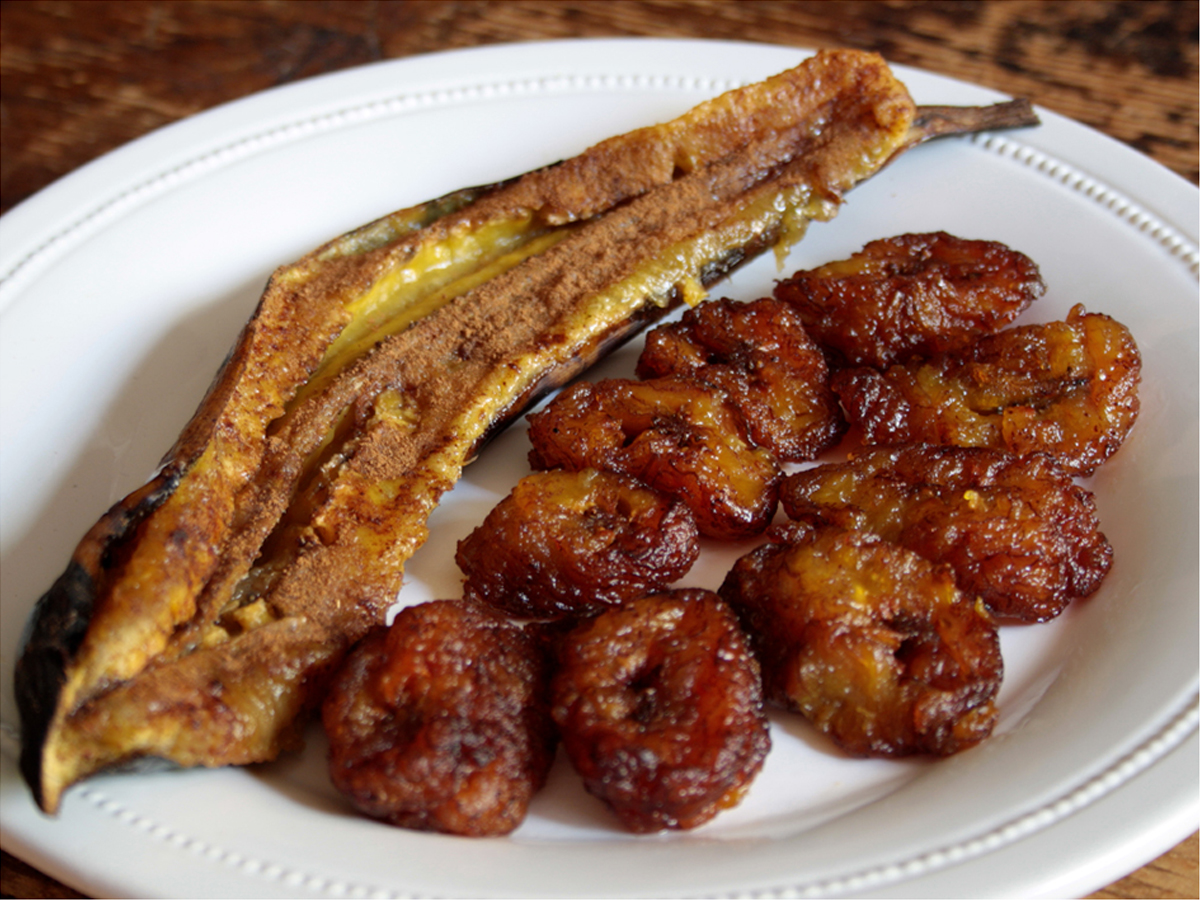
[125, 283]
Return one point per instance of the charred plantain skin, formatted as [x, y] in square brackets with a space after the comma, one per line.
[203, 614]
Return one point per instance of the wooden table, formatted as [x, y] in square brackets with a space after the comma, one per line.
[80, 78]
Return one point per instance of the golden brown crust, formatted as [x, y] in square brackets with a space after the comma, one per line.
[574, 543]
[675, 435]
[442, 722]
[913, 295]
[760, 356]
[1016, 531]
[659, 704]
[870, 642]
[1068, 388]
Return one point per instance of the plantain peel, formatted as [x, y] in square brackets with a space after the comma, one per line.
[203, 614]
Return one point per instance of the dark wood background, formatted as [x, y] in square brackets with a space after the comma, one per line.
[78, 79]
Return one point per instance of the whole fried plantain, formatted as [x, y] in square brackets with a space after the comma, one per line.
[203, 614]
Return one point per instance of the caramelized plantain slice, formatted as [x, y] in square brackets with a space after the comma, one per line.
[208, 607]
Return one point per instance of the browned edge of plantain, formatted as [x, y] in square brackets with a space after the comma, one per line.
[200, 617]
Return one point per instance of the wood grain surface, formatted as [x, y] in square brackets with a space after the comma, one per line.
[78, 79]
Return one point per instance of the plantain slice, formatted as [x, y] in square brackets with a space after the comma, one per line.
[203, 614]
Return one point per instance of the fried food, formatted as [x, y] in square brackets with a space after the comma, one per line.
[759, 354]
[660, 707]
[202, 614]
[671, 433]
[573, 543]
[910, 296]
[1016, 530]
[1068, 388]
[871, 643]
[442, 721]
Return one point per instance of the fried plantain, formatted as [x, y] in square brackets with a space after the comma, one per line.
[201, 616]
[659, 703]
[673, 434]
[573, 543]
[760, 356]
[1069, 388]
[441, 722]
[912, 296]
[871, 643]
[1016, 530]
